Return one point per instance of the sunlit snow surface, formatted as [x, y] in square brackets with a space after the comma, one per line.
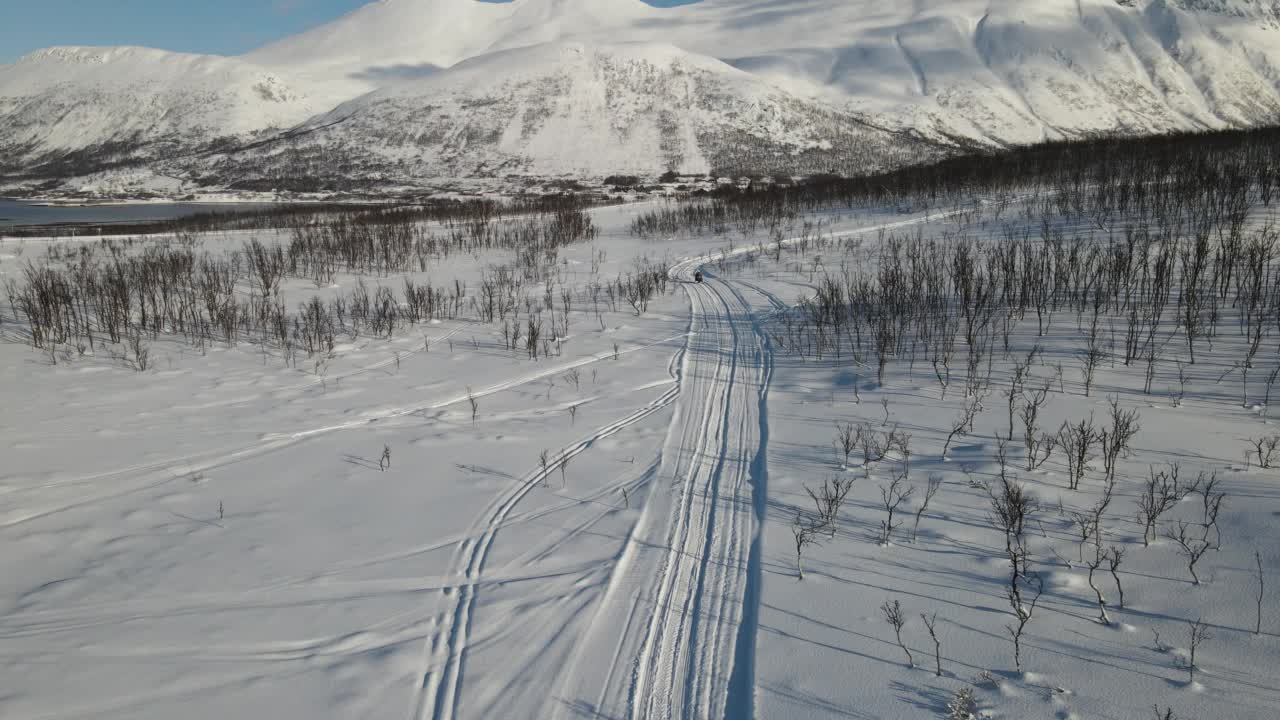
[214, 537]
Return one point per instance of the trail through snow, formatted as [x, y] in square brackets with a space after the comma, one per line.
[677, 618]
[698, 603]
[438, 696]
[656, 618]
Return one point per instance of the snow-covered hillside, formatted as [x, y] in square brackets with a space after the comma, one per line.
[63, 104]
[575, 109]
[389, 40]
[1004, 70]
[986, 71]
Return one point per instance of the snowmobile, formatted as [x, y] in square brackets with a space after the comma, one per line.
[697, 276]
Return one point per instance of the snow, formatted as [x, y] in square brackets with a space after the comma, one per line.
[1005, 70]
[417, 36]
[71, 98]
[214, 536]
[993, 72]
[610, 534]
[571, 109]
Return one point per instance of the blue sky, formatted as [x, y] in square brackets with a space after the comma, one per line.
[226, 27]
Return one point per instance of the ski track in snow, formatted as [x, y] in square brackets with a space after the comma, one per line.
[161, 472]
[679, 615]
[698, 603]
[698, 538]
[680, 606]
[437, 694]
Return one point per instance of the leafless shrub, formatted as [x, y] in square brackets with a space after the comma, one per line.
[805, 534]
[1177, 396]
[639, 287]
[900, 442]
[874, 446]
[847, 440]
[1012, 509]
[1197, 634]
[1093, 564]
[1159, 494]
[1092, 357]
[828, 500]
[935, 484]
[1189, 546]
[877, 445]
[1115, 556]
[1085, 529]
[533, 337]
[1157, 644]
[1077, 441]
[1039, 446]
[1002, 459]
[963, 424]
[1023, 608]
[141, 353]
[1116, 440]
[896, 617]
[1266, 450]
[931, 624]
[963, 705]
[1211, 504]
[267, 266]
[1271, 382]
[891, 496]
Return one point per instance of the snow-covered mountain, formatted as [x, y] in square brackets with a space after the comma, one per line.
[84, 107]
[574, 109]
[388, 40]
[408, 89]
[1002, 70]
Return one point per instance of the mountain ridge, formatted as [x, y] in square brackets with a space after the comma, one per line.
[986, 72]
[573, 109]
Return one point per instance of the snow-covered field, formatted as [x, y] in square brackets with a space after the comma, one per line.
[609, 533]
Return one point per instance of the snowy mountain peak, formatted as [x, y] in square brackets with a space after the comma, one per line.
[993, 72]
[386, 40]
[69, 108]
[578, 109]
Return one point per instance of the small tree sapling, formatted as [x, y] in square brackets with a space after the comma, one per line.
[1189, 546]
[896, 617]
[931, 624]
[935, 483]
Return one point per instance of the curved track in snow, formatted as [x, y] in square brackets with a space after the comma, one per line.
[689, 642]
[437, 696]
[674, 635]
